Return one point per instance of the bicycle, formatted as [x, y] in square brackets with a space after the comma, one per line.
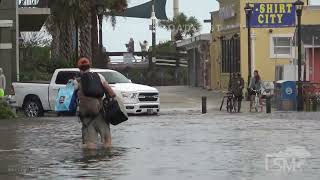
[232, 102]
[256, 103]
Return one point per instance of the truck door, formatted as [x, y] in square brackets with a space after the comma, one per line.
[61, 80]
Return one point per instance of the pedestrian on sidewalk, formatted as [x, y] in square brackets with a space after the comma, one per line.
[256, 85]
[130, 49]
[237, 88]
[144, 47]
[130, 46]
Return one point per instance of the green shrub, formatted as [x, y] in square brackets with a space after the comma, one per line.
[5, 111]
[36, 64]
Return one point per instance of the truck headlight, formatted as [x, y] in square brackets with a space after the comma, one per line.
[129, 95]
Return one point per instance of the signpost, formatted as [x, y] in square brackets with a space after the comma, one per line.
[273, 15]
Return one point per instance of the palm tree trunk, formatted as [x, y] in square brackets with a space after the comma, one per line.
[94, 37]
[66, 39]
[85, 29]
[52, 27]
[55, 44]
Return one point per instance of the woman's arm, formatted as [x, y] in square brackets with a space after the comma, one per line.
[251, 84]
[109, 90]
[241, 83]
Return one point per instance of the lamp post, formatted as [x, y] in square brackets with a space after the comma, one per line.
[299, 7]
[248, 10]
[153, 29]
[100, 12]
[21, 47]
[229, 45]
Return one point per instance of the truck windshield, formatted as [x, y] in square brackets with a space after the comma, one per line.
[115, 77]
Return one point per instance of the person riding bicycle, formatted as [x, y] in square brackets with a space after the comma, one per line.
[237, 85]
[255, 85]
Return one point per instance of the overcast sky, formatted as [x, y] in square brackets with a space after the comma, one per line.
[138, 29]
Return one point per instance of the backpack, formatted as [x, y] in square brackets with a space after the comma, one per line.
[91, 85]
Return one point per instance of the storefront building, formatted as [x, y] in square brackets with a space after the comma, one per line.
[197, 49]
[272, 39]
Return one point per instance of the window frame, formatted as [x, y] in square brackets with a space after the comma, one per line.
[65, 72]
[273, 55]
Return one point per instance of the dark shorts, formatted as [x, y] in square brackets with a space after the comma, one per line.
[239, 97]
[92, 126]
[252, 93]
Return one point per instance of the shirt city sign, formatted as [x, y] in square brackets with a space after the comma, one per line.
[273, 15]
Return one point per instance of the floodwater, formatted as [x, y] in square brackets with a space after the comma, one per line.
[170, 146]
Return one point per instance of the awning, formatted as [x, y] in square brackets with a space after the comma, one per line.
[145, 10]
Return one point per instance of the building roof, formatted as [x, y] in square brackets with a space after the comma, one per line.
[193, 40]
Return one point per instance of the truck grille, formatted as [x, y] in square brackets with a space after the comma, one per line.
[149, 97]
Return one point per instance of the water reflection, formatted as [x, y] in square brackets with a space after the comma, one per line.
[101, 154]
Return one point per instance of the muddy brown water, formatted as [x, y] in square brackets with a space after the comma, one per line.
[170, 146]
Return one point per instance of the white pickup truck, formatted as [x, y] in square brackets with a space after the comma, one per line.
[35, 98]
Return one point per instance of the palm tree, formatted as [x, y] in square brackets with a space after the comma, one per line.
[71, 15]
[85, 28]
[60, 25]
[182, 25]
[111, 7]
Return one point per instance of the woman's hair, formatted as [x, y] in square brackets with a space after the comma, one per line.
[84, 63]
[84, 67]
[257, 78]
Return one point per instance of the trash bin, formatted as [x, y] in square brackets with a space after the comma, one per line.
[286, 95]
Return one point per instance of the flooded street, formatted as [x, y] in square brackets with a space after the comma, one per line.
[179, 144]
[183, 146]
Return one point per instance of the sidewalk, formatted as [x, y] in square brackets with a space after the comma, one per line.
[184, 98]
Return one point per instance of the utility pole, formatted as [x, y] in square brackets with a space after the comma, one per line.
[173, 38]
[153, 29]
[248, 10]
[299, 7]
[175, 14]
[175, 8]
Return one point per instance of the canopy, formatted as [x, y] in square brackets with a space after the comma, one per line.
[144, 10]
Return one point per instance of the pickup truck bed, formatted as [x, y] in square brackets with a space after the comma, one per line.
[36, 82]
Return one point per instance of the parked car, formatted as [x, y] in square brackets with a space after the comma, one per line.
[35, 98]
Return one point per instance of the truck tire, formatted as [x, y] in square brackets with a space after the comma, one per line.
[33, 108]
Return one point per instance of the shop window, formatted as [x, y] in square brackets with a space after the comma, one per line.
[230, 59]
[281, 47]
[279, 72]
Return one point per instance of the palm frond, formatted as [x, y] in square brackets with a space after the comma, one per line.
[182, 24]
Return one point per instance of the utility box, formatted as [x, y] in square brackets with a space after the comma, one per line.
[286, 95]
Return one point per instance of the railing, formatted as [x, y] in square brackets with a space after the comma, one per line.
[33, 3]
[311, 94]
[162, 59]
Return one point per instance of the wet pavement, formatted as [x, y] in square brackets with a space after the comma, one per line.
[178, 144]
